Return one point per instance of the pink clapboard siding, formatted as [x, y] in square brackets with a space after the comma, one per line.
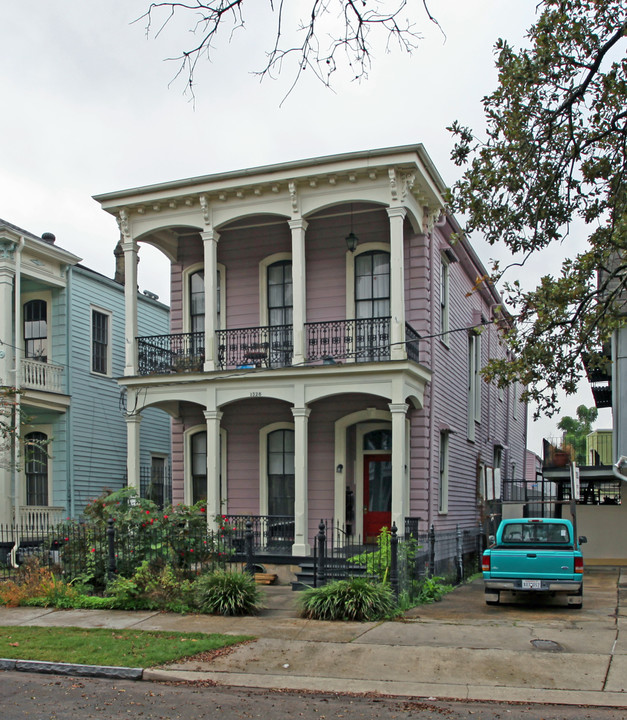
[241, 249]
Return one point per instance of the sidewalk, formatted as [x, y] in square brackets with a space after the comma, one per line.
[458, 648]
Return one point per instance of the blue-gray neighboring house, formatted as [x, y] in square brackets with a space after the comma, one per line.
[62, 346]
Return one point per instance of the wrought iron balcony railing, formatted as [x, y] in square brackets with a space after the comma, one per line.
[364, 340]
[255, 347]
[162, 354]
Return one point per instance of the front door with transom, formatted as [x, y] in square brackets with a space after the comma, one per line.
[377, 494]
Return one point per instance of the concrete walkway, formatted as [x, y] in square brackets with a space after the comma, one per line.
[459, 648]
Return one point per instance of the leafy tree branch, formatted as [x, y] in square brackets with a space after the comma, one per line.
[555, 155]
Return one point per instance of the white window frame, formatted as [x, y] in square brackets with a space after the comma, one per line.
[187, 273]
[263, 461]
[46, 296]
[350, 271]
[187, 464]
[474, 383]
[47, 431]
[109, 315]
[264, 264]
[443, 488]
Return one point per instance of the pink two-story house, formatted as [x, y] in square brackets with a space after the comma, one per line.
[326, 346]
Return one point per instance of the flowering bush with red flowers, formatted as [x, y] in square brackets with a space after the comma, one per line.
[177, 536]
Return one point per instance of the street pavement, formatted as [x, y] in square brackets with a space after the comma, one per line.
[457, 648]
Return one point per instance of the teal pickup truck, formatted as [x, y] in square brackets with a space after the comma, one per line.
[534, 555]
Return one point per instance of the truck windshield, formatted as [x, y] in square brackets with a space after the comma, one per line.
[536, 533]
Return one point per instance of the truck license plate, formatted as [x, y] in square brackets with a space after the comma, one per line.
[531, 584]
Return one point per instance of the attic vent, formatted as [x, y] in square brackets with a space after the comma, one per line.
[49, 238]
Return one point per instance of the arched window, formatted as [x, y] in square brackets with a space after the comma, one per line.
[199, 466]
[281, 472]
[197, 300]
[280, 302]
[280, 293]
[36, 468]
[36, 330]
[372, 285]
[372, 305]
[197, 459]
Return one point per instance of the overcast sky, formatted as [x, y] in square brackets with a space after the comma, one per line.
[88, 107]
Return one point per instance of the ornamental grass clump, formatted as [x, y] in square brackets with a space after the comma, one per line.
[227, 593]
[354, 599]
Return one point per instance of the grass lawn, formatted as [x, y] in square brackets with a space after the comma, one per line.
[126, 648]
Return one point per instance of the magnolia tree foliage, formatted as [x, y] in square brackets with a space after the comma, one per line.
[555, 154]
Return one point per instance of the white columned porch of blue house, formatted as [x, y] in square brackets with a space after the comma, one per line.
[130, 248]
[400, 474]
[210, 244]
[133, 451]
[397, 283]
[213, 418]
[301, 544]
[299, 289]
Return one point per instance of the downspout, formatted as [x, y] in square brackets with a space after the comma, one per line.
[17, 371]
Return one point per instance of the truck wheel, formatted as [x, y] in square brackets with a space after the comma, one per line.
[493, 597]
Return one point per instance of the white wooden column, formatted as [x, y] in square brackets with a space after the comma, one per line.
[210, 244]
[299, 289]
[129, 246]
[213, 418]
[400, 476]
[301, 506]
[397, 283]
[6, 326]
[6, 378]
[133, 449]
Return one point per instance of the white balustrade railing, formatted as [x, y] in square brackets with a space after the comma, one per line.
[42, 376]
[41, 516]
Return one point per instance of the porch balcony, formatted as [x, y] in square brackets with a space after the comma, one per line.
[37, 375]
[333, 342]
[40, 517]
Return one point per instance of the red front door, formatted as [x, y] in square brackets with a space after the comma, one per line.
[377, 495]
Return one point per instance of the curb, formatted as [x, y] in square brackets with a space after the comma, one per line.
[52, 668]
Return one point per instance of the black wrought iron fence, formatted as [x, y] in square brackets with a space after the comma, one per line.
[403, 561]
[95, 552]
[272, 534]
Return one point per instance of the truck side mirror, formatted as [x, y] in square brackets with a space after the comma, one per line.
[582, 539]
[491, 540]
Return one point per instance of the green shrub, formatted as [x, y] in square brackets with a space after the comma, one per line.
[432, 589]
[225, 593]
[354, 599]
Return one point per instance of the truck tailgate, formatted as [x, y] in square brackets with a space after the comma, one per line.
[531, 562]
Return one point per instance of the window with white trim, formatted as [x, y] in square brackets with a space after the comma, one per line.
[280, 464]
[474, 382]
[100, 342]
[197, 300]
[36, 468]
[36, 330]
